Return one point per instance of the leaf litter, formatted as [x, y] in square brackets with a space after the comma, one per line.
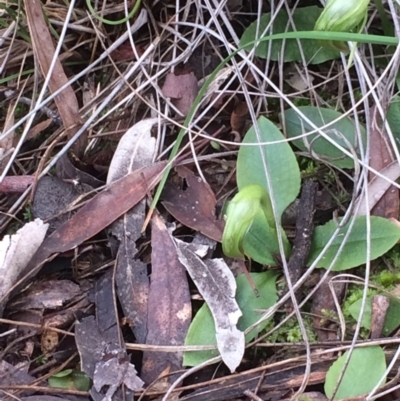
[126, 294]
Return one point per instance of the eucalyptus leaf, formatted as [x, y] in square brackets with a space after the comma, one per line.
[343, 132]
[392, 318]
[303, 19]
[279, 159]
[202, 329]
[365, 370]
[384, 235]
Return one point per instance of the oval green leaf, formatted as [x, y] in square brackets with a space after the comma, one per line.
[202, 328]
[303, 19]
[365, 370]
[384, 235]
[261, 243]
[280, 160]
[325, 150]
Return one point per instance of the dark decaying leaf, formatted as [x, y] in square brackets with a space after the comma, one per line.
[132, 282]
[49, 294]
[67, 171]
[381, 155]
[12, 375]
[52, 198]
[182, 89]
[169, 305]
[99, 213]
[95, 336]
[99, 340]
[194, 207]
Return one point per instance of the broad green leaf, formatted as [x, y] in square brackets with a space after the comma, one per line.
[261, 243]
[304, 19]
[384, 235]
[280, 161]
[365, 370]
[392, 319]
[344, 128]
[202, 329]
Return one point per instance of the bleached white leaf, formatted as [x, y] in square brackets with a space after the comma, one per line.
[217, 285]
[135, 149]
[17, 250]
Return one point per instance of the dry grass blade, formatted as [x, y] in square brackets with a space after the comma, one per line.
[42, 42]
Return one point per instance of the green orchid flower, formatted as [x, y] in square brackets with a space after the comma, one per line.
[250, 204]
[342, 16]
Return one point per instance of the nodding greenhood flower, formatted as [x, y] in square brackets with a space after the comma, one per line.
[251, 203]
[342, 16]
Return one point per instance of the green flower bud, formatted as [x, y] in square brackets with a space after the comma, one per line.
[342, 16]
[241, 212]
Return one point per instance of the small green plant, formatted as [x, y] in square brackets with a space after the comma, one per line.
[256, 235]
[27, 214]
[70, 379]
[290, 331]
[254, 165]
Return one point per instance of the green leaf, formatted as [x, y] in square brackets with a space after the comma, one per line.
[303, 19]
[365, 370]
[296, 126]
[81, 381]
[392, 319]
[393, 118]
[384, 235]
[70, 379]
[280, 160]
[261, 243]
[202, 329]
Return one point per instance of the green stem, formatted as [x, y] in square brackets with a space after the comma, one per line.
[111, 22]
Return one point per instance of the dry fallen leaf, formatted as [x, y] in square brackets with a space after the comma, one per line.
[377, 187]
[194, 207]
[217, 285]
[182, 89]
[238, 116]
[66, 101]
[101, 347]
[169, 306]
[15, 253]
[135, 150]
[381, 155]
